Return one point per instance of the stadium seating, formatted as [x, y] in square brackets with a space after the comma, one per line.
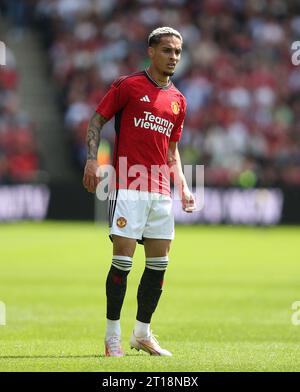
[242, 90]
[19, 158]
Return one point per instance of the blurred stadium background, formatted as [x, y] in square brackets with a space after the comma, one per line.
[242, 91]
[243, 124]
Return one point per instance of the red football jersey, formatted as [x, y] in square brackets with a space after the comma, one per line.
[147, 117]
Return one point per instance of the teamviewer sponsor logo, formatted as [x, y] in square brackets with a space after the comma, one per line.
[154, 123]
[2, 314]
[2, 53]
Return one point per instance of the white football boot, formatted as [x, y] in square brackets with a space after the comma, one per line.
[113, 347]
[148, 344]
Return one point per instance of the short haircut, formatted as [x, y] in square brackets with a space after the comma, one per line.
[155, 35]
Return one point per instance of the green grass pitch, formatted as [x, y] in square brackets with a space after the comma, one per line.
[226, 304]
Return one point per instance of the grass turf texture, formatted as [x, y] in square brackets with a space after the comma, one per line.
[226, 304]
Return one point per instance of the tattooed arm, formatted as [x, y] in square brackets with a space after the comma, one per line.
[90, 181]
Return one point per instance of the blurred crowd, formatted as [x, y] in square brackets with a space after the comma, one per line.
[242, 90]
[19, 159]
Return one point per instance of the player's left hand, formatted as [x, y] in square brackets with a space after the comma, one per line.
[188, 201]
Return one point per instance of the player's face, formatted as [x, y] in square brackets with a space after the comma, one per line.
[165, 55]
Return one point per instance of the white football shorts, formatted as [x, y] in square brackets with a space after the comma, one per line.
[138, 214]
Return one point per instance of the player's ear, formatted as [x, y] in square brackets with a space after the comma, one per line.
[151, 52]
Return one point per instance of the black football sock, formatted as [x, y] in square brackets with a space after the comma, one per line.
[149, 292]
[116, 284]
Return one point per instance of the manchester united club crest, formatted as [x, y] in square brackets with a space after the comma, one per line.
[121, 222]
[175, 107]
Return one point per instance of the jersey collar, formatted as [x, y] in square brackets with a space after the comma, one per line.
[155, 83]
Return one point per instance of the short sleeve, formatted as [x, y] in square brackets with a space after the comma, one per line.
[177, 130]
[114, 100]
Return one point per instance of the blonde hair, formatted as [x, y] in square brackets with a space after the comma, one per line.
[155, 35]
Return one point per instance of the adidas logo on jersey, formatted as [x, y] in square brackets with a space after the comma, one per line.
[145, 99]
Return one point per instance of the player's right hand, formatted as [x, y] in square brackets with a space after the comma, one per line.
[90, 179]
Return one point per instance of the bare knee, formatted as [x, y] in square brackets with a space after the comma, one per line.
[123, 246]
[157, 247]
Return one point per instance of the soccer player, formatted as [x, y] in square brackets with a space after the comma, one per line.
[149, 114]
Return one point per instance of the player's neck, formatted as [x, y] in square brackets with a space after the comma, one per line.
[162, 80]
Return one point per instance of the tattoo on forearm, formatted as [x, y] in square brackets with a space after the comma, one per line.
[93, 135]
